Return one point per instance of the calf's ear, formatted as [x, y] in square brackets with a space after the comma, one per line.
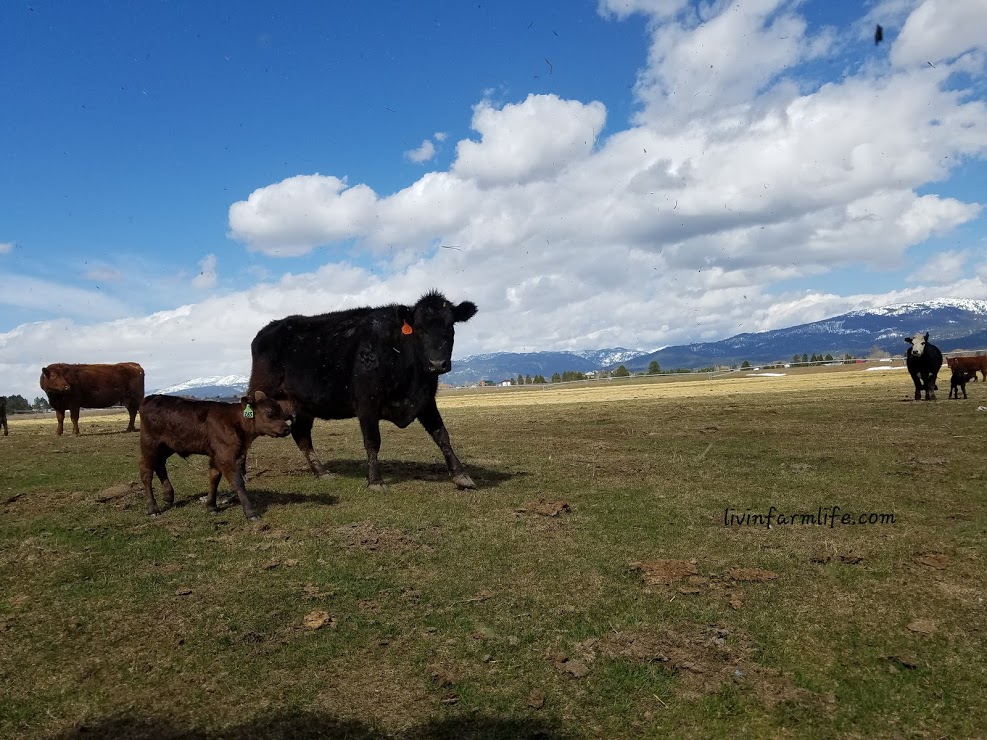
[464, 311]
[908, 339]
[259, 396]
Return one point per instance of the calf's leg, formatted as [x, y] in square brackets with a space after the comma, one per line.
[432, 421]
[231, 472]
[215, 475]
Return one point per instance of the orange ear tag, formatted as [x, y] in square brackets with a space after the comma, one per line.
[406, 329]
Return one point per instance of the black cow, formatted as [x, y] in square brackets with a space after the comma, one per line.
[958, 382]
[923, 361]
[368, 363]
[3, 414]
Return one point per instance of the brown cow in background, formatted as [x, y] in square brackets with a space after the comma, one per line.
[74, 387]
[971, 364]
[3, 414]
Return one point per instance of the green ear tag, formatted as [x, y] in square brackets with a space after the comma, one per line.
[248, 413]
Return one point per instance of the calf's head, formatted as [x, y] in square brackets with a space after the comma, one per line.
[269, 417]
[53, 381]
[432, 321]
[918, 342]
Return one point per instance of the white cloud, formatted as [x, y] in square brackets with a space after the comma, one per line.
[942, 269]
[207, 273]
[6, 247]
[939, 30]
[440, 136]
[423, 153]
[104, 274]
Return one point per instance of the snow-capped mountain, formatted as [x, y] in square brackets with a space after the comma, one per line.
[953, 324]
[217, 386]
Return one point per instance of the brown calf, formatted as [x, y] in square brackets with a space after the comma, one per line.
[971, 363]
[3, 415]
[223, 431]
[93, 387]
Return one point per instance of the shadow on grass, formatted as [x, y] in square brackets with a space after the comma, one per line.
[308, 725]
[398, 471]
[260, 498]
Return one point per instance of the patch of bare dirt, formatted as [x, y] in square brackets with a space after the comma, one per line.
[936, 560]
[368, 537]
[665, 572]
[120, 492]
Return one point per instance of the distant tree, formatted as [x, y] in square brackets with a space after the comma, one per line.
[538, 379]
[556, 378]
[745, 365]
[805, 358]
[527, 380]
[17, 403]
[654, 368]
[828, 357]
[621, 372]
[520, 379]
[796, 359]
[847, 357]
[876, 353]
[40, 404]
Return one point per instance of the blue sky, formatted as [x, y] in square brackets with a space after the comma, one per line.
[634, 173]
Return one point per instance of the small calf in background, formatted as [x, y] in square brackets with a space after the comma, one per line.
[958, 381]
[222, 431]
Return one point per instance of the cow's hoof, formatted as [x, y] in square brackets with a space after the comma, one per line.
[326, 475]
[214, 511]
[253, 518]
[377, 487]
[463, 481]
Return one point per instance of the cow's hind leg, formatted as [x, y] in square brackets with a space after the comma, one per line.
[132, 409]
[371, 443]
[301, 432]
[432, 421]
[75, 420]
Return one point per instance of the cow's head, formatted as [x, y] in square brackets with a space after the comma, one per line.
[270, 417]
[918, 342]
[431, 320]
[53, 381]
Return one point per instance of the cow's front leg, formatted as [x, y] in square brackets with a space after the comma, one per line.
[301, 432]
[75, 420]
[370, 426]
[432, 421]
[60, 417]
[917, 379]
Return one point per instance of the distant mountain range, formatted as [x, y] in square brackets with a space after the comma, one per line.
[953, 324]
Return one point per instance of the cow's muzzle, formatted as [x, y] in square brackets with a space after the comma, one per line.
[439, 366]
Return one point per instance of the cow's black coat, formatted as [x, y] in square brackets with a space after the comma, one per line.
[923, 361]
[368, 363]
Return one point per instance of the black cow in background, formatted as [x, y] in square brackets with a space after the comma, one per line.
[923, 361]
[368, 363]
[3, 414]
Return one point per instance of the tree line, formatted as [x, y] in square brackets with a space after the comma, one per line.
[19, 403]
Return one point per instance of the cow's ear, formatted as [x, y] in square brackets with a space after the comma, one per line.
[46, 372]
[406, 316]
[464, 311]
[908, 339]
[926, 336]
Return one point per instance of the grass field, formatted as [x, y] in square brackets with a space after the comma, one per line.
[588, 588]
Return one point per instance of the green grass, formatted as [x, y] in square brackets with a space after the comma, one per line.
[451, 607]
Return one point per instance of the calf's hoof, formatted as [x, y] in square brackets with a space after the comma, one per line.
[253, 518]
[377, 486]
[325, 475]
[463, 481]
